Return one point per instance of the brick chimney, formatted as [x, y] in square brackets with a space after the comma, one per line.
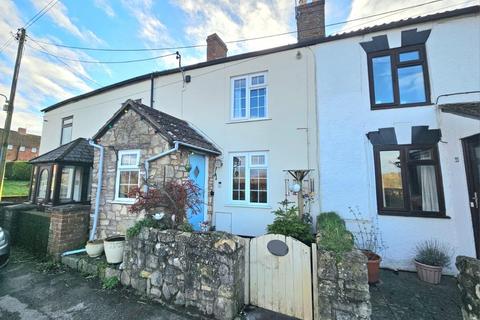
[216, 48]
[22, 131]
[310, 16]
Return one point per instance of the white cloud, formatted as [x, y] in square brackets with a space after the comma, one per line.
[105, 7]
[363, 8]
[59, 15]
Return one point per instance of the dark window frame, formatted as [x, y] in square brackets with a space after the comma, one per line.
[407, 210]
[68, 125]
[394, 55]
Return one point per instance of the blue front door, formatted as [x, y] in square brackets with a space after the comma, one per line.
[197, 175]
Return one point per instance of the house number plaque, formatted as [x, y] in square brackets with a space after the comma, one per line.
[277, 248]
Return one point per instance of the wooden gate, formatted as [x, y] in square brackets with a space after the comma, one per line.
[280, 270]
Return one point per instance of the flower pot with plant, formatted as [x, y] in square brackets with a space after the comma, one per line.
[430, 259]
[368, 239]
[94, 248]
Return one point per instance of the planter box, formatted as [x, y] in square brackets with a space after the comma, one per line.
[430, 274]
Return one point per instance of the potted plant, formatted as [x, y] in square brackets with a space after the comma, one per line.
[430, 259]
[114, 246]
[94, 248]
[368, 239]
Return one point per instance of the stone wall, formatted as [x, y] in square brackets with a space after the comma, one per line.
[130, 132]
[469, 284]
[203, 272]
[343, 291]
[69, 225]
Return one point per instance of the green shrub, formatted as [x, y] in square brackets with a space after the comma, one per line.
[433, 253]
[185, 227]
[18, 170]
[110, 283]
[332, 233]
[147, 222]
[288, 223]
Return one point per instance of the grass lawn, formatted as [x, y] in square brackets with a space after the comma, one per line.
[15, 188]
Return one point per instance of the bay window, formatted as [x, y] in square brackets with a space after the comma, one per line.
[408, 179]
[249, 97]
[128, 174]
[249, 178]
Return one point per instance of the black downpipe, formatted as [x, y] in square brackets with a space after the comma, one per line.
[151, 89]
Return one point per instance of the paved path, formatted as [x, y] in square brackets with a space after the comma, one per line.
[402, 296]
[27, 293]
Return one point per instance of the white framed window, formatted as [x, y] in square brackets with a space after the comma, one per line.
[249, 178]
[66, 134]
[34, 150]
[249, 97]
[9, 147]
[22, 148]
[128, 174]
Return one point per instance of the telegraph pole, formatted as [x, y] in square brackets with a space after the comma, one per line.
[8, 120]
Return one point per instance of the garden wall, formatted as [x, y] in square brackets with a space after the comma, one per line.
[204, 272]
[469, 284]
[343, 291]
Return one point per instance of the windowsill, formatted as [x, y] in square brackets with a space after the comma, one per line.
[414, 215]
[119, 201]
[247, 120]
[249, 205]
[400, 106]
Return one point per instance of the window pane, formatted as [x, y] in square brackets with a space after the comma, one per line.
[66, 183]
[238, 166]
[127, 181]
[77, 185]
[258, 80]
[42, 186]
[411, 85]
[391, 175]
[420, 154]
[66, 135]
[258, 185]
[257, 103]
[423, 188]
[409, 56]
[239, 98]
[382, 80]
[257, 160]
[129, 159]
[67, 121]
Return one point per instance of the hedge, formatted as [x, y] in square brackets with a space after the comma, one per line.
[18, 170]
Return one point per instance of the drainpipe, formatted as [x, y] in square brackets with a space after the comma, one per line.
[97, 200]
[152, 82]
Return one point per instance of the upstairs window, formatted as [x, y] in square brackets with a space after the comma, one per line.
[409, 180]
[249, 97]
[22, 148]
[128, 174]
[66, 135]
[34, 150]
[10, 147]
[249, 178]
[398, 77]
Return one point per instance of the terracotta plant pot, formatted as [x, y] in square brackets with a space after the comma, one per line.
[373, 266]
[94, 248]
[114, 248]
[430, 274]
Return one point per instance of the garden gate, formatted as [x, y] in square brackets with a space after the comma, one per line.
[280, 275]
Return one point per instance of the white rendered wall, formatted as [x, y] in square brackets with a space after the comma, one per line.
[346, 155]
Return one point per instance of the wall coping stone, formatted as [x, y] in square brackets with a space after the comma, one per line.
[69, 208]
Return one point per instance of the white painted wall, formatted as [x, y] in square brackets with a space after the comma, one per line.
[289, 133]
[346, 155]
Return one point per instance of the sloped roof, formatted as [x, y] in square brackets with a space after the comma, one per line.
[78, 151]
[26, 140]
[170, 127]
[339, 36]
[465, 109]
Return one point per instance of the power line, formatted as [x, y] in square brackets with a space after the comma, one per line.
[41, 13]
[234, 41]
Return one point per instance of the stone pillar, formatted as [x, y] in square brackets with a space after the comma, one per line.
[343, 291]
[68, 228]
[469, 284]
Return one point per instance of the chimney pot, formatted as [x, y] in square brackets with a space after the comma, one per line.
[310, 19]
[216, 48]
[22, 131]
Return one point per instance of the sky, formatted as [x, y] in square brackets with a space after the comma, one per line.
[125, 24]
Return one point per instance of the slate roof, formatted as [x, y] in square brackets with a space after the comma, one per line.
[465, 109]
[367, 30]
[78, 151]
[26, 140]
[171, 128]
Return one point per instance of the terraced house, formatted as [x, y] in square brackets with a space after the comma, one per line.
[385, 120]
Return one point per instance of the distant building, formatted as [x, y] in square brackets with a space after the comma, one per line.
[21, 146]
